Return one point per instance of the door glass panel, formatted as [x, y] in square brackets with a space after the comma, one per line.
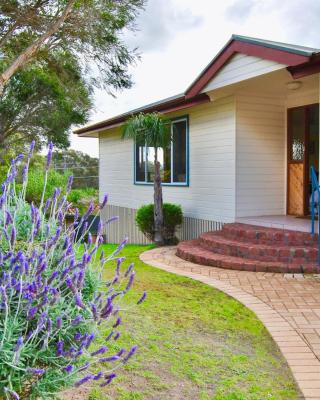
[297, 135]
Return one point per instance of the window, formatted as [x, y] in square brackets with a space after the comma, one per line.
[173, 160]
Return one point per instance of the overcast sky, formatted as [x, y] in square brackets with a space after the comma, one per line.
[178, 38]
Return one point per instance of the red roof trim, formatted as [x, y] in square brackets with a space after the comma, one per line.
[236, 46]
[172, 105]
[309, 68]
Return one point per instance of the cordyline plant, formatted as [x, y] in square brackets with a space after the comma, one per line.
[53, 301]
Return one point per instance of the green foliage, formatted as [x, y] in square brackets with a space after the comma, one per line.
[92, 33]
[36, 184]
[152, 129]
[42, 101]
[81, 198]
[172, 218]
[83, 167]
[53, 299]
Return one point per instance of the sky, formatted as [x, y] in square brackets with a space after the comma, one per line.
[178, 38]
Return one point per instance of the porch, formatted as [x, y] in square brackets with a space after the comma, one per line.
[277, 142]
[288, 222]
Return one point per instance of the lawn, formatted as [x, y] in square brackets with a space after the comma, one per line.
[194, 343]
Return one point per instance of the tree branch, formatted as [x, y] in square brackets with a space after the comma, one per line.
[32, 50]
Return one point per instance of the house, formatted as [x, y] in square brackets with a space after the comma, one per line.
[247, 133]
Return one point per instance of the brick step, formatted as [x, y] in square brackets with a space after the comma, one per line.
[269, 236]
[191, 250]
[219, 244]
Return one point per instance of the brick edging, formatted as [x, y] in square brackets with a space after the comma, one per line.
[300, 358]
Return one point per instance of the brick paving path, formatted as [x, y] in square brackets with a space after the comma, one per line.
[287, 304]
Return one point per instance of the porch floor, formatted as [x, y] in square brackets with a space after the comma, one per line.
[281, 222]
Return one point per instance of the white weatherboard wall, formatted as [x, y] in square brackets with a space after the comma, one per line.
[211, 194]
[261, 156]
[239, 68]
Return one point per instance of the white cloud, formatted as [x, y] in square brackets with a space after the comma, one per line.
[179, 37]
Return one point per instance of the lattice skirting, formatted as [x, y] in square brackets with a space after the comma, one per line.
[126, 226]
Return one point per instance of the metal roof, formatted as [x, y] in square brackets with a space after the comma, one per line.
[290, 48]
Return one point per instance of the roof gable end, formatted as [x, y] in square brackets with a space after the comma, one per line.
[286, 55]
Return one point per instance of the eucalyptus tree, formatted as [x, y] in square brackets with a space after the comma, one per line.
[89, 29]
[154, 130]
[42, 101]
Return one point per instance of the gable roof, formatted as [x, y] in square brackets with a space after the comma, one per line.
[283, 53]
[300, 61]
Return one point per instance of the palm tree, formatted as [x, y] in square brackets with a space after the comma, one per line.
[154, 130]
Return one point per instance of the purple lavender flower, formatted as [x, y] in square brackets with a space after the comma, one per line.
[53, 276]
[142, 298]
[25, 173]
[121, 246]
[13, 235]
[68, 368]
[94, 311]
[60, 345]
[121, 352]
[130, 282]
[90, 340]
[109, 379]
[78, 301]
[77, 336]
[109, 359]
[85, 379]
[84, 367]
[47, 205]
[112, 219]
[117, 323]
[76, 320]
[109, 336]
[36, 371]
[128, 270]
[49, 155]
[12, 393]
[116, 336]
[130, 354]
[32, 146]
[19, 344]
[70, 181]
[8, 218]
[104, 201]
[59, 322]
[98, 376]
[101, 350]
[32, 312]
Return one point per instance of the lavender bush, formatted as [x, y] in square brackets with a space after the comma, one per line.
[53, 301]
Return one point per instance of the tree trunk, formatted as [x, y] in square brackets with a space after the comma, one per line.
[32, 50]
[158, 203]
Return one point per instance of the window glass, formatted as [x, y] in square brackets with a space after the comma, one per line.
[140, 162]
[297, 134]
[173, 159]
[179, 144]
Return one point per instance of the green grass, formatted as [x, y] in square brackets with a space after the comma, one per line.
[194, 343]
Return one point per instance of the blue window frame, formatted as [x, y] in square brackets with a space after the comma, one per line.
[174, 160]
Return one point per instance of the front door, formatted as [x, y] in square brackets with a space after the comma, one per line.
[303, 152]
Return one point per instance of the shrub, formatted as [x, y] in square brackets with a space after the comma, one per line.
[81, 198]
[35, 184]
[52, 300]
[172, 216]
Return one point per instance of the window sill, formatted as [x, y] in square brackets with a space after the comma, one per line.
[162, 184]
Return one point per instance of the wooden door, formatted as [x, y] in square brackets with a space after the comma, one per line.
[303, 152]
[296, 161]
